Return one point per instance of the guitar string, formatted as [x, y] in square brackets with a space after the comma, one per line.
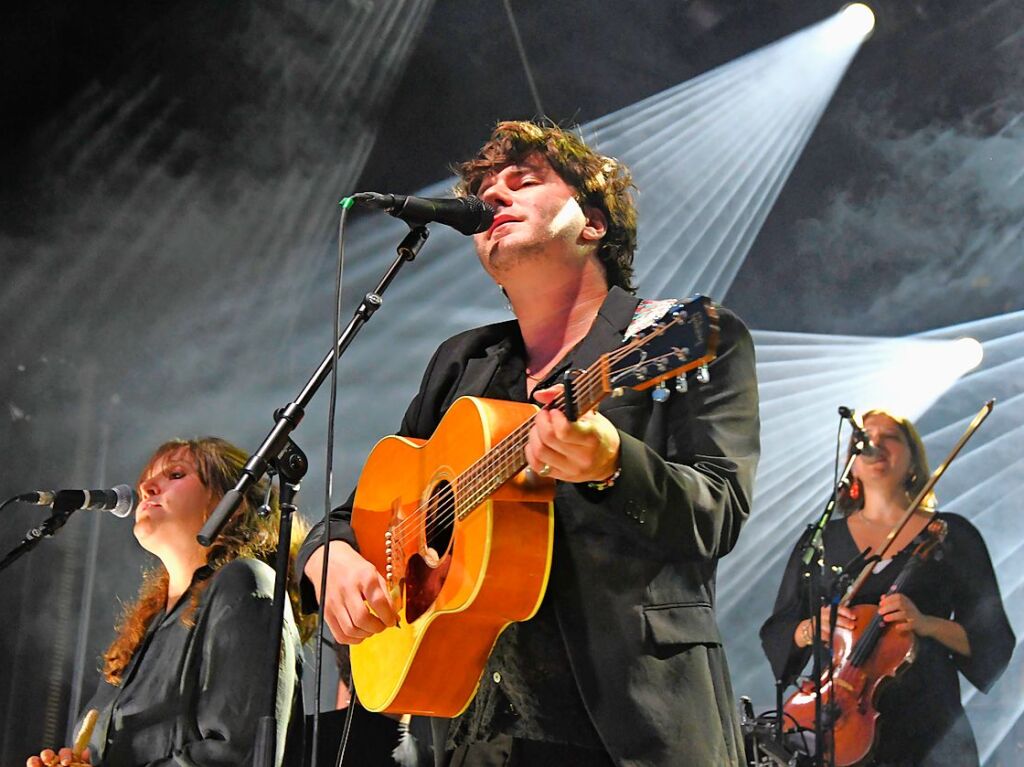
[476, 476]
[473, 492]
[509, 448]
[504, 455]
[512, 446]
[587, 383]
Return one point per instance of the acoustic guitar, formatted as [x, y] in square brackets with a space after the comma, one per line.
[462, 533]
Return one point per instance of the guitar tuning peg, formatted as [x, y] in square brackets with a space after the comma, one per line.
[681, 384]
[660, 393]
[703, 374]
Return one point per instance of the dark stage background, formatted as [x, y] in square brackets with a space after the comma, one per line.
[168, 184]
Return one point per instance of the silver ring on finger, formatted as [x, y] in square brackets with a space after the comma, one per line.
[544, 470]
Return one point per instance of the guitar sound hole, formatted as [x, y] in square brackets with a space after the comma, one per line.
[440, 520]
[425, 573]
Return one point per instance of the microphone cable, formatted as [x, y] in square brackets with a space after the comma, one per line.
[346, 204]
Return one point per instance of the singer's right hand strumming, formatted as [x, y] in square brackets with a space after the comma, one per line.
[63, 758]
[358, 604]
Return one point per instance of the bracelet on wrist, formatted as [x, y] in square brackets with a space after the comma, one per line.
[604, 484]
[806, 633]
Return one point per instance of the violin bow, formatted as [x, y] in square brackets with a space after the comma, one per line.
[934, 478]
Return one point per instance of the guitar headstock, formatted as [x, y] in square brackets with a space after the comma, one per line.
[683, 338]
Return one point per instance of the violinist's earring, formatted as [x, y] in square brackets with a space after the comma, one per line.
[910, 481]
[508, 302]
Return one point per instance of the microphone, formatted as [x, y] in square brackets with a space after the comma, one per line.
[868, 449]
[468, 215]
[119, 500]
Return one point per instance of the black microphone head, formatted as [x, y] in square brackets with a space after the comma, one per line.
[868, 449]
[863, 442]
[480, 215]
[467, 215]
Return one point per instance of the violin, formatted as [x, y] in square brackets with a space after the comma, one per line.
[864, 660]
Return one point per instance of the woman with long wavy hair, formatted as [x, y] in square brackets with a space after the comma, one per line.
[185, 674]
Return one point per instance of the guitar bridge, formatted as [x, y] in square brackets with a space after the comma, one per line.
[393, 555]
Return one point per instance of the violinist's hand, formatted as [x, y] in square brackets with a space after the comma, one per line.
[358, 604]
[845, 619]
[585, 450]
[64, 758]
[901, 610]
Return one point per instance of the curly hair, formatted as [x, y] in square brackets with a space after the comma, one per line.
[247, 534]
[851, 500]
[600, 182]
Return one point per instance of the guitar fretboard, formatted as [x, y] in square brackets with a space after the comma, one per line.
[506, 459]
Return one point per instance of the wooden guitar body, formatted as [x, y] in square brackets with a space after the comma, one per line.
[462, 566]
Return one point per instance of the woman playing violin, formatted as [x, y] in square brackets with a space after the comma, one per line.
[951, 603]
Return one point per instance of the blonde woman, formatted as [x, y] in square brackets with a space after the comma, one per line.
[951, 603]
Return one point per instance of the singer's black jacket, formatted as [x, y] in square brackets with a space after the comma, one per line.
[633, 572]
[193, 695]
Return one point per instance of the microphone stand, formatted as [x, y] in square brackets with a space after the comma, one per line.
[814, 552]
[289, 417]
[278, 452]
[62, 511]
[291, 467]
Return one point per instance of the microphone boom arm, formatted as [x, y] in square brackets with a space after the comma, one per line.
[289, 417]
[62, 511]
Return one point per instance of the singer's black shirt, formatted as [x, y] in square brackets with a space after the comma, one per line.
[526, 690]
[192, 695]
[921, 713]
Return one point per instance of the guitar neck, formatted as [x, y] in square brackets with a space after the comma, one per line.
[683, 338]
[506, 459]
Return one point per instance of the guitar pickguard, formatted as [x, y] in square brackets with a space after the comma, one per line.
[423, 583]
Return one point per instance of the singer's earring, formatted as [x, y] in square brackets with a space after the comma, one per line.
[854, 490]
[508, 302]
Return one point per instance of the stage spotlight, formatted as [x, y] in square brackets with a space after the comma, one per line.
[858, 20]
[969, 354]
[851, 26]
[921, 371]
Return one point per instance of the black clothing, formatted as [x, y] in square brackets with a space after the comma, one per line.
[525, 691]
[922, 705]
[632, 577]
[192, 696]
[506, 751]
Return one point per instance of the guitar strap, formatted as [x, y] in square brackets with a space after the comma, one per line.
[647, 313]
